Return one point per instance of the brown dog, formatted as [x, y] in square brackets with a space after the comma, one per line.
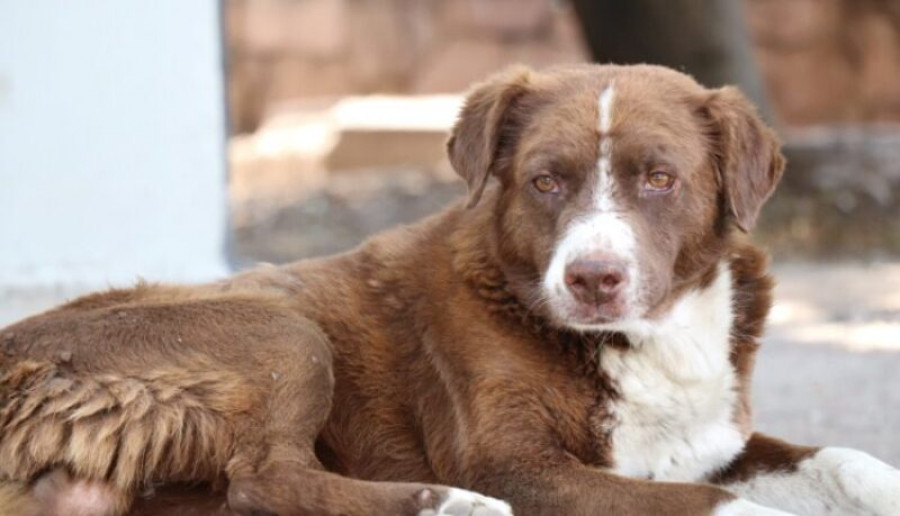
[577, 339]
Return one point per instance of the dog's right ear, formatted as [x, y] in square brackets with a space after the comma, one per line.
[475, 138]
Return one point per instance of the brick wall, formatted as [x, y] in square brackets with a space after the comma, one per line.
[281, 50]
[828, 61]
[824, 61]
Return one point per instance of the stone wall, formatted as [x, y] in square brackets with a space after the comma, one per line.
[829, 61]
[280, 50]
[824, 61]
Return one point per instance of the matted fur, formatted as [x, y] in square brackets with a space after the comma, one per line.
[129, 430]
[16, 500]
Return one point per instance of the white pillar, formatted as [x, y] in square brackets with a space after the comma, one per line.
[112, 138]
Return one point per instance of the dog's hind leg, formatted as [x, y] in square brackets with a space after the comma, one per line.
[275, 469]
[112, 400]
[88, 443]
[172, 387]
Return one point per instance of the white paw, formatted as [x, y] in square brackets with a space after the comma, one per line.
[741, 507]
[459, 502]
[870, 486]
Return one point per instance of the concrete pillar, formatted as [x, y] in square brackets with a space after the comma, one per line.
[112, 138]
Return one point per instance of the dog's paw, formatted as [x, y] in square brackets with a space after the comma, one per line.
[459, 502]
[741, 507]
[861, 483]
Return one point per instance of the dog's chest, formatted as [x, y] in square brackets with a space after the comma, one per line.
[673, 419]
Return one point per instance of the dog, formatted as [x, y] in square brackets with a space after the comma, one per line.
[575, 337]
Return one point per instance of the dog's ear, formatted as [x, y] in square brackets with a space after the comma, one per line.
[747, 154]
[476, 136]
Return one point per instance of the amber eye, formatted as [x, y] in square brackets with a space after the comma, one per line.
[659, 180]
[546, 184]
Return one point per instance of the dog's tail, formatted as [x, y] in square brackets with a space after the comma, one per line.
[129, 431]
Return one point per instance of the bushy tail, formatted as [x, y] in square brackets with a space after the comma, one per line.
[126, 430]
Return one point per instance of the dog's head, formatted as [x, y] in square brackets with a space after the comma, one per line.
[618, 185]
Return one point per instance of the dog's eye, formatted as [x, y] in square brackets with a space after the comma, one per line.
[545, 184]
[659, 180]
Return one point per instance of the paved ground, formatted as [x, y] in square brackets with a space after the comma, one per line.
[829, 371]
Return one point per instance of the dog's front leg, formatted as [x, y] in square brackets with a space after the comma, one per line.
[535, 487]
[813, 481]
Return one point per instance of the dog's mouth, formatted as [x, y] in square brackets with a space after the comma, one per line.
[587, 314]
[581, 315]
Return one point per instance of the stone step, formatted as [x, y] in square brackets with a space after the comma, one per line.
[341, 169]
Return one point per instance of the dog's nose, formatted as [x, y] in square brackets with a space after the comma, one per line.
[595, 280]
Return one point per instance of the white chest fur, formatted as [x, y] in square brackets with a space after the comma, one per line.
[673, 420]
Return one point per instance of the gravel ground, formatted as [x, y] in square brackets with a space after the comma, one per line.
[828, 373]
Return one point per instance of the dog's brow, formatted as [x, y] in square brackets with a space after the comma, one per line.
[603, 194]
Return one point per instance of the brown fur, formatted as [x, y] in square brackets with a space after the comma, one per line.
[752, 298]
[357, 384]
[15, 499]
[764, 454]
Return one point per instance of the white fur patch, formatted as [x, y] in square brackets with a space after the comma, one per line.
[460, 502]
[603, 194]
[674, 420]
[741, 507]
[834, 481]
[603, 232]
[605, 103]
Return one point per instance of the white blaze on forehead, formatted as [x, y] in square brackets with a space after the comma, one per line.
[604, 124]
[603, 194]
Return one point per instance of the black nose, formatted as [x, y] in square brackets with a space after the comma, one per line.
[596, 280]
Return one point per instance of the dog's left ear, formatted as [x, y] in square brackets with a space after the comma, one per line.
[476, 137]
[747, 153]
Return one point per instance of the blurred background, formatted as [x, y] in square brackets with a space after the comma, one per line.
[179, 141]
